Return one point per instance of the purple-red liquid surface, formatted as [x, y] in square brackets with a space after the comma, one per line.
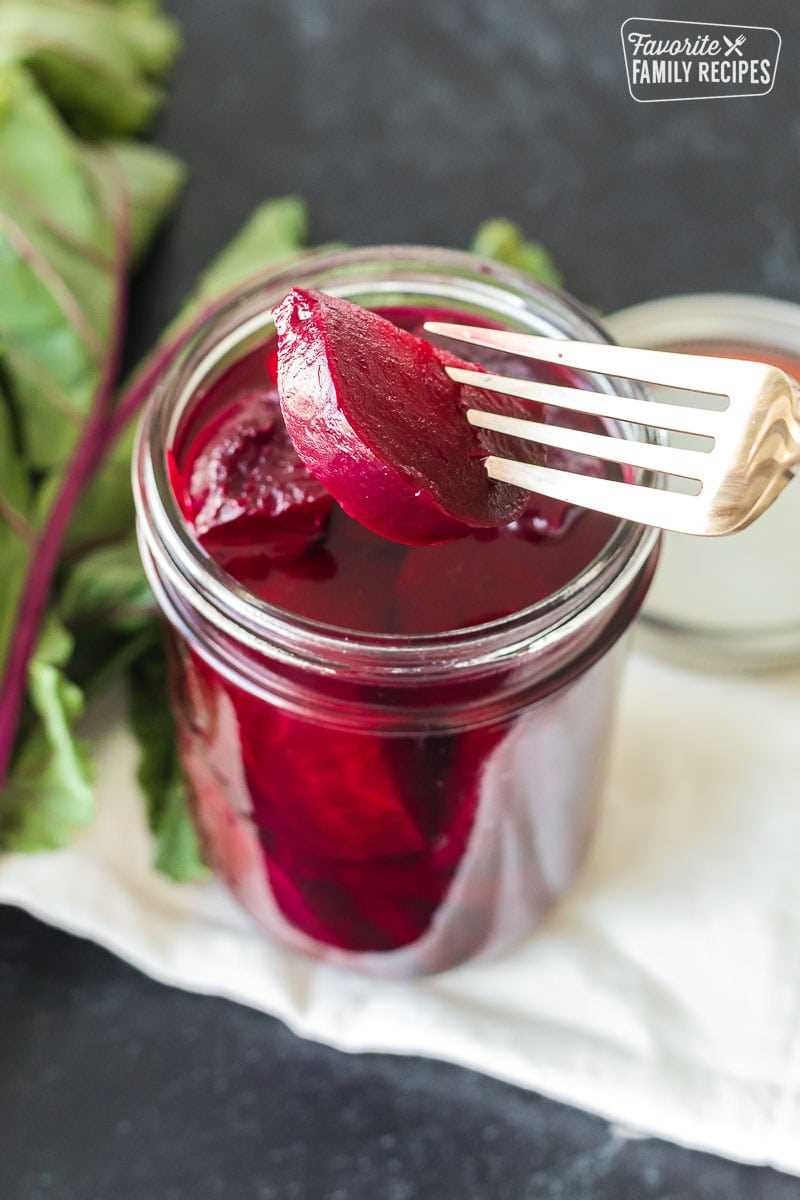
[360, 834]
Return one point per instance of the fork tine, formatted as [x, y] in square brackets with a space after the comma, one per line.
[689, 464]
[629, 501]
[692, 372]
[703, 421]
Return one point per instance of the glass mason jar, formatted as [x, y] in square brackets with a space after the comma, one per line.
[304, 744]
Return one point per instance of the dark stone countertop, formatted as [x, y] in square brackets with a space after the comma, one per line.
[399, 121]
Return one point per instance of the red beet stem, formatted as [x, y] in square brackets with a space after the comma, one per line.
[45, 555]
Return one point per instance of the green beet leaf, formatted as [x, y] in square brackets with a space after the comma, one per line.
[48, 795]
[62, 212]
[104, 512]
[153, 181]
[108, 585]
[177, 851]
[504, 241]
[57, 286]
[97, 62]
[16, 533]
[57, 279]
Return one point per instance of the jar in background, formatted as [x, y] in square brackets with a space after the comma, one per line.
[495, 735]
[725, 603]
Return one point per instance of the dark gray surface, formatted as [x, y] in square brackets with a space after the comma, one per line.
[413, 120]
[114, 1088]
[398, 121]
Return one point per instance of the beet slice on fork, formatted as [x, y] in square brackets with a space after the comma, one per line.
[374, 416]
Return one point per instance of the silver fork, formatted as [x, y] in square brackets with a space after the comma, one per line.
[756, 439]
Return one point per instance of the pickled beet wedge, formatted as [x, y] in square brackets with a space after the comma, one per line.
[366, 856]
[377, 420]
[343, 802]
[246, 489]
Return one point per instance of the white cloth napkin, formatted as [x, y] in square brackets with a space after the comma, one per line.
[663, 994]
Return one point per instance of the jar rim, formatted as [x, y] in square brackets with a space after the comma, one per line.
[473, 283]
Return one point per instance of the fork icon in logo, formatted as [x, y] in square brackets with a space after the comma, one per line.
[734, 45]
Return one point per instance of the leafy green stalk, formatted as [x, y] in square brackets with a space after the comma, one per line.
[159, 773]
[152, 179]
[504, 241]
[69, 215]
[98, 62]
[33, 599]
[49, 795]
